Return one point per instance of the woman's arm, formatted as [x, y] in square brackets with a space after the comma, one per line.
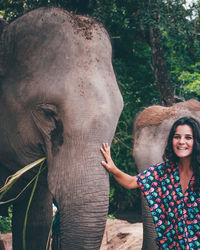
[123, 179]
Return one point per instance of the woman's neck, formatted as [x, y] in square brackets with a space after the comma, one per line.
[185, 165]
[185, 173]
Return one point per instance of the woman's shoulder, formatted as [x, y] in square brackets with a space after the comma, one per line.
[151, 176]
[155, 169]
[160, 167]
[160, 170]
[163, 167]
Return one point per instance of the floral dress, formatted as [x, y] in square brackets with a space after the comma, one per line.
[176, 215]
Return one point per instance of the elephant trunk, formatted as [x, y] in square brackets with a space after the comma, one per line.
[80, 186]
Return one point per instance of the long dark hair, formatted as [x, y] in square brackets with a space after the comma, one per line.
[195, 157]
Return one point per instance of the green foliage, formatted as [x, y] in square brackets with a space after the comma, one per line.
[194, 86]
[190, 82]
[111, 216]
[2, 13]
[179, 29]
[5, 222]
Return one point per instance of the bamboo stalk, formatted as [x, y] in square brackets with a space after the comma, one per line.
[29, 204]
[13, 178]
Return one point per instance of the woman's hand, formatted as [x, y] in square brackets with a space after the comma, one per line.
[123, 179]
[109, 164]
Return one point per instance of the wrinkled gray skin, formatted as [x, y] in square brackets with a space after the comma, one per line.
[151, 130]
[59, 99]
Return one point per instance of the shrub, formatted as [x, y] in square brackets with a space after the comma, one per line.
[5, 222]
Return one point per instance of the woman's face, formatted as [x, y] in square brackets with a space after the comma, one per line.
[183, 141]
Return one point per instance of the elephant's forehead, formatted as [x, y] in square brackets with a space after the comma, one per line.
[47, 41]
[53, 52]
[88, 75]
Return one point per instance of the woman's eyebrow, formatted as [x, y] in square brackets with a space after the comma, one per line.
[183, 134]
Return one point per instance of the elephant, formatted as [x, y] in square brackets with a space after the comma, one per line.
[59, 99]
[151, 130]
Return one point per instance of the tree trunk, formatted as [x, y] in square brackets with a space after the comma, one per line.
[160, 69]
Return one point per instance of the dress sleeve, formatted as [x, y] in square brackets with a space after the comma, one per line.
[145, 179]
[149, 183]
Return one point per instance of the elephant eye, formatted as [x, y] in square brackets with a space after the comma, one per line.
[49, 112]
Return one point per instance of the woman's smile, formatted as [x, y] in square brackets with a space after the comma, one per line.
[183, 141]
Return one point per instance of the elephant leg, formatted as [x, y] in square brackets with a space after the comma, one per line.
[38, 223]
[149, 232]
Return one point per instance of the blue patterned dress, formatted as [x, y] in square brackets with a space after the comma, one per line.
[176, 215]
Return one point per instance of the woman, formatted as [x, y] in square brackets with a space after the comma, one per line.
[172, 188]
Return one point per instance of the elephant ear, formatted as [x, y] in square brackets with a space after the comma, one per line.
[3, 56]
[50, 126]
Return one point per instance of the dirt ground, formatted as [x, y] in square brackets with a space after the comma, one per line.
[7, 240]
[122, 235]
[119, 235]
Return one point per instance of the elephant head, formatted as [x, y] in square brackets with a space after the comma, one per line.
[151, 130]
[60, 99]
